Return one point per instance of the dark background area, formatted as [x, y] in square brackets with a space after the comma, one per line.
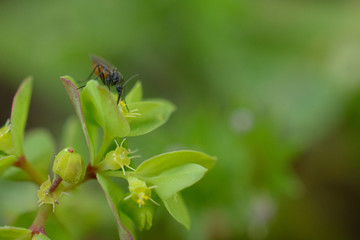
[270, 88]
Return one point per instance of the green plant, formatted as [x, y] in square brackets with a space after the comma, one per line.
[106, 127]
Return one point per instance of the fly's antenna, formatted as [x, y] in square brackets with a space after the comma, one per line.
[132, 77]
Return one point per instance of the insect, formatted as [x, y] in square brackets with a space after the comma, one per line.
[109, 75]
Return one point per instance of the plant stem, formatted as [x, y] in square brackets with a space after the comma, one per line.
[38, 226]
[104, 146]
[35, 176]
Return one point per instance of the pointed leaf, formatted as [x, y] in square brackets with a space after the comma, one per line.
[163, 162]
[39, 157]
[19, 113]
[11, 233]
[73, 93]
[40, 237]
[153, 114]
[135, 94]
[177, 208]
[176, 179]
[114, 195]
[101, 109]
[6, 162]
[73, 136]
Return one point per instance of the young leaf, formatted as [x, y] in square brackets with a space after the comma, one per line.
[6, 161]
[73, 93]
[19, 113]
[101, 109]
[40, 236]
[39, 148]
[152, 114]
[177, 208]
[163, 162]
[176, 179]
[73, 136]
[135, 94]
[114, 195]
[11, 233]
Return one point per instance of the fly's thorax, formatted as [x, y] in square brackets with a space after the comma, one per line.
[116, 77]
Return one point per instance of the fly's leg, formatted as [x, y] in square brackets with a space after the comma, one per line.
[120, 89]
[92, 72]
[125, 99]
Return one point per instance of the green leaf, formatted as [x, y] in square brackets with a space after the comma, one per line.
[12, 233]
[177, 208]
[114, 195]
[163, 162]
[19, 113]
[154, 113]
[73, 93]
[39, 148]
[6, 162]
[135, 94]
[176, 179]
[73, 136]
[40, 237]
[101, 109]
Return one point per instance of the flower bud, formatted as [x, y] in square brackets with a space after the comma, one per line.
[6, 144]
[69, 165]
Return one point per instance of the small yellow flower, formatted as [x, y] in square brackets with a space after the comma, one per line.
[45, 197]
[118, 158]
[128, 113]
[139, 191]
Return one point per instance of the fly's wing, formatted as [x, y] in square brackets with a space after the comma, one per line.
[104, 63]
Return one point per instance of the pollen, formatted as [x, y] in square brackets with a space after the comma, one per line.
[122, 104]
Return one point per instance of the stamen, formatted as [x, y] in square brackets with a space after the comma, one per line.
[154, 201]
[122, 142]
[127, 197]
[130, 168]
[116, 143]
[131, 152]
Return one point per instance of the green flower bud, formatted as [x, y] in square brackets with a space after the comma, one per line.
[69, 165]
[6, 144]
[139, 191]
[117, 159]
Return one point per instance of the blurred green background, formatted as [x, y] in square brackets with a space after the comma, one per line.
[272, 88]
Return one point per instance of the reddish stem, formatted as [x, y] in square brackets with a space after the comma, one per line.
[90, 172]
[30, 170]
[39, 222]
